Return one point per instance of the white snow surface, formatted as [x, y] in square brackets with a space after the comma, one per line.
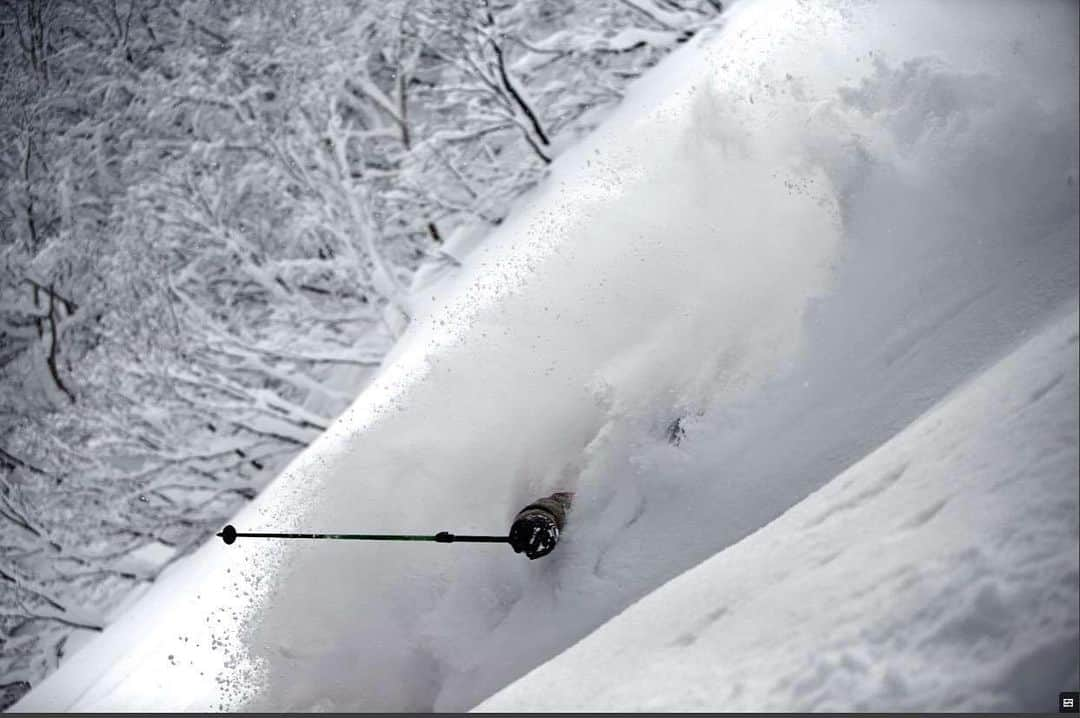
[799, 233]
[959, 592]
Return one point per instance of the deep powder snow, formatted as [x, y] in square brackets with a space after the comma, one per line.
[798, 234]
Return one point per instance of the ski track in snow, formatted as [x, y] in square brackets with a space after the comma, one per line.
[798, 233]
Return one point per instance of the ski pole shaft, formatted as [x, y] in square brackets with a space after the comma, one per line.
[229, 534]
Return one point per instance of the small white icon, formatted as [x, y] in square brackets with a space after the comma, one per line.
[1068, 703]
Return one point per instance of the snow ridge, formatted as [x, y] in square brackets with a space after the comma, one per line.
[937, 574]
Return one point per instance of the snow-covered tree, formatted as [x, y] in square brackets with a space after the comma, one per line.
[209, 217]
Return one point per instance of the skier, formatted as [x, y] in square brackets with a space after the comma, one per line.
[536, 527]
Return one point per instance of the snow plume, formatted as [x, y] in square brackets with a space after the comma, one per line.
[638, 282]
[796, 235]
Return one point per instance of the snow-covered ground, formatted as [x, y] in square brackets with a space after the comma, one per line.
[797, 236]
[939, 573]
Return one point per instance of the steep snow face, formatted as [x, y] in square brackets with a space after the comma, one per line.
[797, 234]
[939, 573]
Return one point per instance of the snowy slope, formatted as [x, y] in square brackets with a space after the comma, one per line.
[798, 234]
[958, 592]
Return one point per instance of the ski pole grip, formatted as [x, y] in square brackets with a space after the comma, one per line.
[444, 537]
